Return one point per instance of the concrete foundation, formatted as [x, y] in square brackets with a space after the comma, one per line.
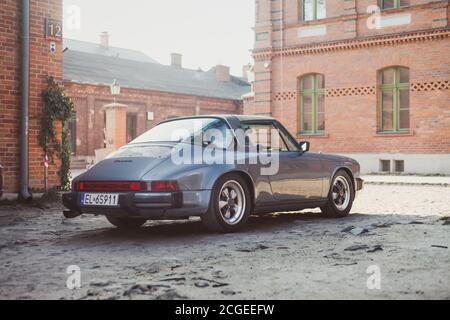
[413, 163]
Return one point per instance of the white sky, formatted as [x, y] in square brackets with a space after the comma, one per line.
[206, 32]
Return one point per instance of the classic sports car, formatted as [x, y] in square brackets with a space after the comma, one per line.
[220, 168]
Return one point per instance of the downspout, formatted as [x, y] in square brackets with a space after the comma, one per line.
[24, 193]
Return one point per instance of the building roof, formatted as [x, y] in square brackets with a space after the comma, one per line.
[90, 67]
[94, 48]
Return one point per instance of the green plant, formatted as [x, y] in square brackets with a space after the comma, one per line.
[57, 107]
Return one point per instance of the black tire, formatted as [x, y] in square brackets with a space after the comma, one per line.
[215, 220]
[332, 209]
[126, 223]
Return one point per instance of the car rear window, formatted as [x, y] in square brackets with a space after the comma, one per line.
[138, 151]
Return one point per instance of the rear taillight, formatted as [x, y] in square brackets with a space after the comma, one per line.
[113, 186]
[123, 186]
[164, 186]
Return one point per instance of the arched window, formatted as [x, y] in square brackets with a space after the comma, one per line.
[312, 104]
[394, 99]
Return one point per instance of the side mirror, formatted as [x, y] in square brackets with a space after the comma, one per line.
[304, 146]
[206, 143]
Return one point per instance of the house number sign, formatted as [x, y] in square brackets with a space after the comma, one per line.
[53, 30]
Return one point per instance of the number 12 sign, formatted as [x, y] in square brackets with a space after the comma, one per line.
[53, 29]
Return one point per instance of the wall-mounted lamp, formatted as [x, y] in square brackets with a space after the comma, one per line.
[115, 88]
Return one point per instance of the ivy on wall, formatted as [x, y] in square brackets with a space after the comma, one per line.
[57, 107]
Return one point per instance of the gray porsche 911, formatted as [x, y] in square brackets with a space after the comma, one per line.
[220, 168]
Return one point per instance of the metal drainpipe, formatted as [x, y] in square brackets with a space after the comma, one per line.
[24, 193]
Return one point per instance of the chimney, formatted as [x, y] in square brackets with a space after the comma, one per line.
[104, 40]
[223, 73]
[177, 59]
[245, 71]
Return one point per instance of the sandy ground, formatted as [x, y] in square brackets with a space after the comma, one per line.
[282, 256]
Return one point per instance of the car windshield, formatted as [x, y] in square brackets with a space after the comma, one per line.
[183, 130]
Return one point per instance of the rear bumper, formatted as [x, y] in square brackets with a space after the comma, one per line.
[150, 205]
[359, 184]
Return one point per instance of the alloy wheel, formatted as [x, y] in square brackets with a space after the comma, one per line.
[232, 202]
[341, 193]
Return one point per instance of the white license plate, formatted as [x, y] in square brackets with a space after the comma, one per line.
[99, 199]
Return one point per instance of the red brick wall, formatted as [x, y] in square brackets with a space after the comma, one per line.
[351, 118]
[344, 20]
[90, 99]
[42, 63]
[350, 62]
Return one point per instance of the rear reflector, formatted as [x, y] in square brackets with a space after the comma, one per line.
[112, 186]
[164, 186]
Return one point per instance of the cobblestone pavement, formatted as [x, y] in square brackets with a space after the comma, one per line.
[399, 230]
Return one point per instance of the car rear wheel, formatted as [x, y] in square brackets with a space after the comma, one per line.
[230, 205]
[340, 196]
[126, 223]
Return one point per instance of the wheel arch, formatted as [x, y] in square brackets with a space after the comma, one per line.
[348, 171]
[248, 180]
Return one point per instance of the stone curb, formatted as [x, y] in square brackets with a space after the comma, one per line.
[425, 184]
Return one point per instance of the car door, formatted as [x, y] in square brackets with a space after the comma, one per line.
[300, 174]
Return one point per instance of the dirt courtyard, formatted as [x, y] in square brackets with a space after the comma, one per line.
[398, 234]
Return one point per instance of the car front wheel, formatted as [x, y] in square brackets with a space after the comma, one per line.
[230, 205]
[340, 196]
[126, 223]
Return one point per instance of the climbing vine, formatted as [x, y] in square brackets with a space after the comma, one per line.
[57, 107]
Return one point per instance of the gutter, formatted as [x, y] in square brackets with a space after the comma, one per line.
[24, 193]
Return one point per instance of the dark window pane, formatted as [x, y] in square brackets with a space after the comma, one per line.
[321, 9]
[320, 103]
[308, 10]
[388, 4]
[321, 121]
[385, 165]
[404, 119]
[404, 99]
[307, 82]
[131, 127]
[307, 122]
[388, 76]
[320, 80]
[404, 3]
[399, 165]
[307, 104]
[387, 110]
[404, 75]
[313, 102]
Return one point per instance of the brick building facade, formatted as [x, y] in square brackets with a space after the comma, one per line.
[90, 101]
[356, 79]
[42, 63]
[149, 93]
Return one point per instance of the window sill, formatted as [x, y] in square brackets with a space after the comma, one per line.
[388, 134]
[313, 22]
[313, 135]
[398, 9]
